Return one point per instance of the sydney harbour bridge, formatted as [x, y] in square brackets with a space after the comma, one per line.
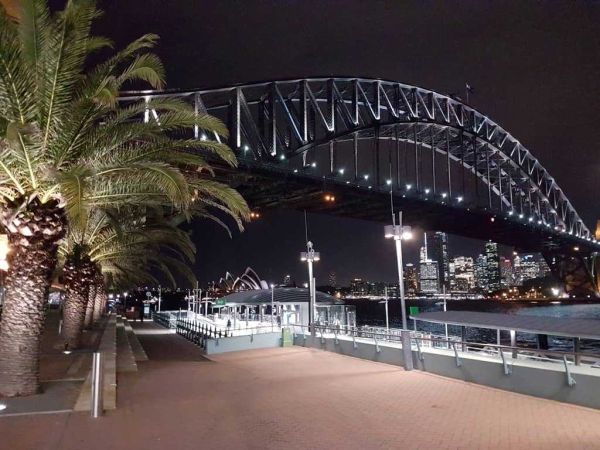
[446, 165]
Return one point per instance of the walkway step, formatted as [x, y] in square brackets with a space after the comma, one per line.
[125, 358]
[108, 348]
[138, 351]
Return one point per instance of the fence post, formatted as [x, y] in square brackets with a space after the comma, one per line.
[97, 386]
[406, 350]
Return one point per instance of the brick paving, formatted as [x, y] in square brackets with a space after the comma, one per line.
[297, 398]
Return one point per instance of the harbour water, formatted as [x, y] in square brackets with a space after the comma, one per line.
[373, 313]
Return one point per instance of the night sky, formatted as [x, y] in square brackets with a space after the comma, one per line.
[534, 67]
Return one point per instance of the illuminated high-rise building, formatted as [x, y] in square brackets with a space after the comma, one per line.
[480, 269]
[411, 279]
[437, 250]
[493, 266]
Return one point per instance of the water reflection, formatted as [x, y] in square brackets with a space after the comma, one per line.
[373, 313]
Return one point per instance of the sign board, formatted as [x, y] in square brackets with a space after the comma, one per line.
[413, 310]
[148, 294]
[220, 302]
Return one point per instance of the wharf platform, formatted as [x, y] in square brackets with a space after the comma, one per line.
[299, 398]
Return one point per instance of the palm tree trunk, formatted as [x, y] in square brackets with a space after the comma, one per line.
[89, 309]
[34, 230]
[99, 299]
[77, 276]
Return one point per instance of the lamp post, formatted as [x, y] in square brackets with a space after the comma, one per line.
[159, 297]
[310, 256]
[399, 233]
[387, 316]
[272, 303]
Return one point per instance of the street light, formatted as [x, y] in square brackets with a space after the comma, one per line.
[399, 233]
[125, 303]
[310, 256]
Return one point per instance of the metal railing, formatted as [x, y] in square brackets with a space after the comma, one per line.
[420, 342]
[199, 332]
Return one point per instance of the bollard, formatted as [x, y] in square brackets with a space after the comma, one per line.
[97, 386]
[407, 350]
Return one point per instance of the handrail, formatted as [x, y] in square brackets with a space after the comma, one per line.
[553, 356]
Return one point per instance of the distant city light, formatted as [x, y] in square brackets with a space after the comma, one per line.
[427, 191]
[282, 157]
[203, 137]
[460, 199]
[408, 187]
[246, 148]
[388, 182]
[341, 171]
[444, 195]
[314, 164]
[366, 176]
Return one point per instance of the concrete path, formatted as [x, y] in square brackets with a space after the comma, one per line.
[297, 398]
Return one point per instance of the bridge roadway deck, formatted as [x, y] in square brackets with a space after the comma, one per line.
[297, 398]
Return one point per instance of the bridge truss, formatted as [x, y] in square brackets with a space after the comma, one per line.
[387, 136]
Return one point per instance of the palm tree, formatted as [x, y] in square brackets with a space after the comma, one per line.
[67, 147]
[128, 251]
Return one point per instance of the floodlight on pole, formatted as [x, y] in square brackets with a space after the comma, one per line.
[399, 233]
[311, 256]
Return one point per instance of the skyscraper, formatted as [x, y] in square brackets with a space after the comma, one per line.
[411, 279]
[506, 272]
[437, 250]
[525, 268]
[463, 275]
[481, 280]
[493, 266]
[429, 282]
[429, 277]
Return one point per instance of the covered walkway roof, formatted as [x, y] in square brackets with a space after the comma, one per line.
[565, 327]
[281, 295]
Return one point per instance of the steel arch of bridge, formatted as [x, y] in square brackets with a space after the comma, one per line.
[273, 123]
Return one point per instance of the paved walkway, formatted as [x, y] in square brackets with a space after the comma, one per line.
[297, 398]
